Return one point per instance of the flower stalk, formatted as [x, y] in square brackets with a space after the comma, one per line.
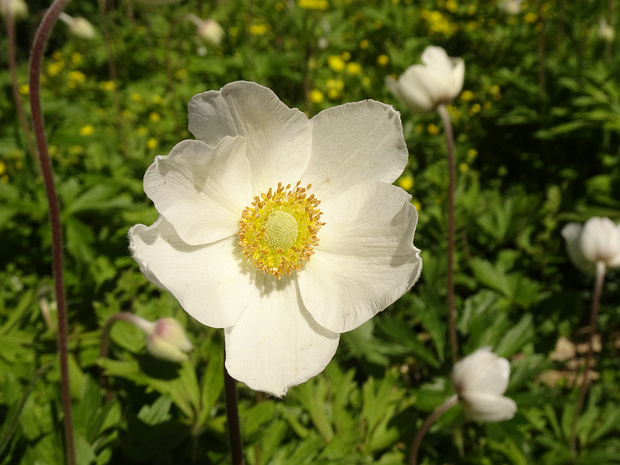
[36, 60]
[598, 287]
[445, 119]
[232, 419]
[447, 405]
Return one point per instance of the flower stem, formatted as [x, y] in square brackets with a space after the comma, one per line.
[21, 116]
[36, 60]
[232, 418]
[445, 119]
[598, 287]
[447, 405]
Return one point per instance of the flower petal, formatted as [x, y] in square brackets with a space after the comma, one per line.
[276, 344]
[212, 282]
[436, 58]
[279, 138]
[571, 233]
[201, 190]
[482, 372]
[354, 143]
[488, 407]
[365, 259]
[415, 92]
[457, 77]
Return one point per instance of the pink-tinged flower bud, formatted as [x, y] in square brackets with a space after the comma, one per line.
[598, 240]
[480, 380]
[79, 27]
[168, 341]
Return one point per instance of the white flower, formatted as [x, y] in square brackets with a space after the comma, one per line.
[511, 7]
[18, 8]
[597, 240]
[79, 27]
[210, 31]
[605, 32]
[480, 380]
[438, 81]
[282, 230]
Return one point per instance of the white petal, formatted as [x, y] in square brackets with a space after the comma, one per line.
[279, 138]
[600, 240]
[417, 86]
[276, 344]
[457, 77]
[571, 233]
[488, 407]
[365, 259]
[353, 143]
[482, 372]
[212, 283]
[201, 190]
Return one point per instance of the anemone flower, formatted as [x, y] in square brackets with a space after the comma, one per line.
[597, 240]
[283, 230]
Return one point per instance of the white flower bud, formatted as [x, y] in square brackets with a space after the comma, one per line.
[211, 32]
[18, 8]
[438, 81]
[168, 341]
[79, 27]
[480, 380]
[511, 7]
[597, 240]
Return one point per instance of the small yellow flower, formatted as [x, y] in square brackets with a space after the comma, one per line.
[76, 150]
[364, 44]
[151, 143]
[76, 58]
[4, 179]
[142, 131]
[107, 85]
[76, 78]
[405, 182]
[2, 167]
[346, 56]
[57, 55]
[321, 5]
[316, 96]
[471, 154]
[54, 68]
[417, 204]
[87, 130]
[467, 96]
[475, 108]
[333, 94]
[383, 60]
[258, 29]
[157, 99]
[487, 105]
[336, 63]
[463, 167]
[432, 129]
[154, 117]
[530, 17]
[366, 81]
[24, 89]
[354, 68]
[180, 73]
[336, 84]
[135, 97]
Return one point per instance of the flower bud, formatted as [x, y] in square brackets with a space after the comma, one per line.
[423, 87]
[511, 7]
[18, 8]
[597, 240]
[211, 32]
[79, 27]
[480, 380]
[605, 32]
[168, 341]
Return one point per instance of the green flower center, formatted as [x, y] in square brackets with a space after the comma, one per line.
[278, 231]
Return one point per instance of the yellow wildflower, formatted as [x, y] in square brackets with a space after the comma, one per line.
[463, 167]
[258, 29]
[333, 94]
[354, 68]
[364, 44]
[151, 143]
[416, 204]
[24, 89]
[366, 81]
[346, 56]
[54, 68]
[475, 108]
[76, 58]
[487, 105]
[467, 95]
[336, 84]
[76, 150]
[107, 85]
[57, 55]
[530, 17]
[154, 117]
[87, 130]
[135, 97]
[405, 182]
[471, 154]
[383, 60]
[180, 73]
[313, 4]
[142, 131]
[336, 63]
[76, 78]
[157, 99]
[432, 129]
[316, 96]
[4, 179]
[2, 167]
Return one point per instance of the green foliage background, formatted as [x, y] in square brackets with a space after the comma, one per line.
[537, 130]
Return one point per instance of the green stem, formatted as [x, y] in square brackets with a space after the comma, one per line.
[445, 118]
[232, 418]
[598, 287]
[447, 405]
[36, 60]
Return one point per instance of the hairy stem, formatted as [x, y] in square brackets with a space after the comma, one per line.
[598, 287]
[36, 60]
[232, 418]
[447, 405]
[445, 118]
